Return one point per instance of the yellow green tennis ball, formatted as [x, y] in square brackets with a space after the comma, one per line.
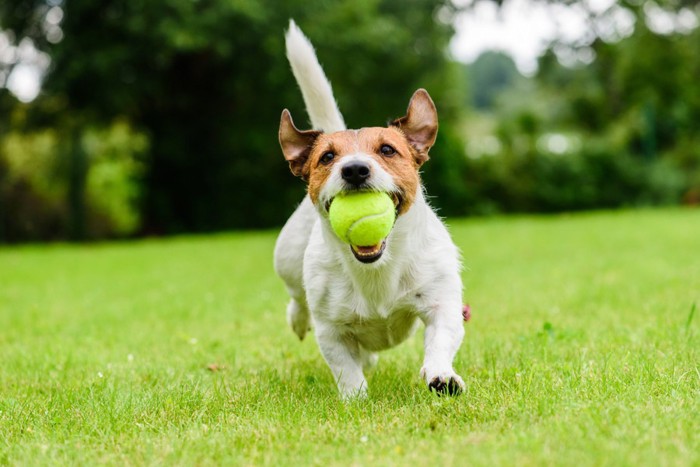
[362, 219]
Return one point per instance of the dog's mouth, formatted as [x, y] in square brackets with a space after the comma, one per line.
[395, 197]
[368, 254]
[371, 253]
[398, 202]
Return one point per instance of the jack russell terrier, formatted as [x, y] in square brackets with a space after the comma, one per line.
[362, 299]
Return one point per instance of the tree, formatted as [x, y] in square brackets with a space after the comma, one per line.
[489, 75]
[206, 81]
[625, 124]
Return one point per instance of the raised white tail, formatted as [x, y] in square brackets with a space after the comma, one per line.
[315, 87]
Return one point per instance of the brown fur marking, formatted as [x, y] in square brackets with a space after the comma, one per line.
[402, 166]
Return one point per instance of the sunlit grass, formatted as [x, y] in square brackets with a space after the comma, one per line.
[583, 349]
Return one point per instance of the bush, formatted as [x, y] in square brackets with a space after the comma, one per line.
[593, 177]
[32, 195]
[41, 198]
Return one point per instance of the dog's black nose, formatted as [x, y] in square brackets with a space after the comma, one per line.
[355, 173]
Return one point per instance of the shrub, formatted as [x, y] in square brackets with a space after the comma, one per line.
[38, 183]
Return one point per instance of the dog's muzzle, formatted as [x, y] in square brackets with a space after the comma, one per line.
[371, 253]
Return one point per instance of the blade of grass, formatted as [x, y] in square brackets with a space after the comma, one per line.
[690, 317]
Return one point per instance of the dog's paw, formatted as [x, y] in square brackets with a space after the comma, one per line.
[298, 318]
[452, 386]
[300, 328]
[447, 382]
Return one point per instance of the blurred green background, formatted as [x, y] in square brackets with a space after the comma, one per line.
[158, 117]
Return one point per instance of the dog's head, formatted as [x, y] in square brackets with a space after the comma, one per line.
[368, 159]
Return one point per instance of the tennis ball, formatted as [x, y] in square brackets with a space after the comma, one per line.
[362, 219]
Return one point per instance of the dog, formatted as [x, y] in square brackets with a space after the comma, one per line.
[362, 299]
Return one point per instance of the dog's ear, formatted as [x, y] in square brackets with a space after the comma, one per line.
[420, 125]
[296, 144]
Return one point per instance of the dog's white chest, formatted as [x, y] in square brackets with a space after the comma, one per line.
[377, 317]
[378, 332]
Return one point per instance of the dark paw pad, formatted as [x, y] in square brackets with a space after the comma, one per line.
[440, 386]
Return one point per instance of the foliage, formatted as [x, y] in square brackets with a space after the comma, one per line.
[206, 82]
[582, 349]
[200, 86]
[112, 182]
[35, 187]
[490, 75]
[625, 128]
[32, 206]
[592, 178]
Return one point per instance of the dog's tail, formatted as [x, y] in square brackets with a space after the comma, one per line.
[315, 87]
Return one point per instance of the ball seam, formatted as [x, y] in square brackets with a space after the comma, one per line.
[368, 217]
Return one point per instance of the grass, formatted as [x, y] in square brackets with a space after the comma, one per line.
[583, 349]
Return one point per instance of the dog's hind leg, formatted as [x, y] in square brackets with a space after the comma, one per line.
[298, 317]
[289, 262]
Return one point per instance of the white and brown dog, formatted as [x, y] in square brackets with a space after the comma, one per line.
[366, 298]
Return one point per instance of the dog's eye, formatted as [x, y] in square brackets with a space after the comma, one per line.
[387, 150]
[327, 157]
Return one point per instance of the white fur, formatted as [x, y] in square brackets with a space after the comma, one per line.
[379, 181]
[315, 87]
[359, 309]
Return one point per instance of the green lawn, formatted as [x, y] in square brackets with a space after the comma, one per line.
[582, 350]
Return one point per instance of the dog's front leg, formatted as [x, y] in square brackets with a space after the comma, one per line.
[342, 353]
[443, 335]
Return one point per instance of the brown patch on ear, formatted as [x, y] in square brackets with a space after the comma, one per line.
[296, 145]
[420, 124]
